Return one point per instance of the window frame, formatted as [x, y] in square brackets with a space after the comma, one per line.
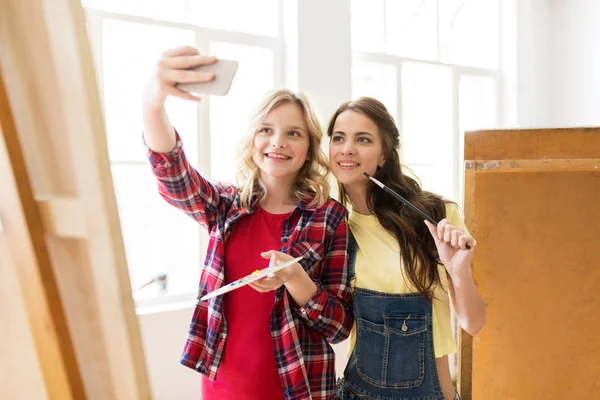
[204, 36]
[382, 57]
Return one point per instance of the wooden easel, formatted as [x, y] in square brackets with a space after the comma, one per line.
[61, 252]
[532, 200]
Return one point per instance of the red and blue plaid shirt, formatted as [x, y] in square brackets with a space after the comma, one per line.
[301, 335]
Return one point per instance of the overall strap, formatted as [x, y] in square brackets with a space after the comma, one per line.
[352, 248]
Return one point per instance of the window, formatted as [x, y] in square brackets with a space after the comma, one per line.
[377, 80]
[435, 65]
[127, 38]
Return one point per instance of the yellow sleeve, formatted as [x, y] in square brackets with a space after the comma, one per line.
[453, 215]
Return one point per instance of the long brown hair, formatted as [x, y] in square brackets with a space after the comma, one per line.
[417, 248]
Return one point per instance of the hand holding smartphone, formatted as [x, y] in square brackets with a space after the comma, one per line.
[224, 72]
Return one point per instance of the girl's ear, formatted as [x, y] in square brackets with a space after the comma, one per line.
[382, 162]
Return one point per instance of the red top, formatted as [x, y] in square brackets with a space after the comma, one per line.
[302, 336]
[248, 369]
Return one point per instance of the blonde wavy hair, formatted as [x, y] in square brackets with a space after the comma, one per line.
[311, 181]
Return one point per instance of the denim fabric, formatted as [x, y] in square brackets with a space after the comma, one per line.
[352, 248]
[344, 394]
[393, 357]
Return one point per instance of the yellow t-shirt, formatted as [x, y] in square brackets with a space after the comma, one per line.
[378, 267]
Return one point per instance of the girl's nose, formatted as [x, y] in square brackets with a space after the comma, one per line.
[277, 141]
[348, 148]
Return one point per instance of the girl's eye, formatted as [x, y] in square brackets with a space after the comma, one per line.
[363, 140]
[294, 133]
[264, 130]
[336, 139]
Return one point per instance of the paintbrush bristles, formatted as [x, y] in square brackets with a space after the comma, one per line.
[381, 185]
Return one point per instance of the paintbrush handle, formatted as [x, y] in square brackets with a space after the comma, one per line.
[409, 205]
[415, 209]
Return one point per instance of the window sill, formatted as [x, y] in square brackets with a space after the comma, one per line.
[165, 303]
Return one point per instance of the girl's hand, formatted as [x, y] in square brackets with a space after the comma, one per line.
[451, 243]
[288, 274]
[172, 69]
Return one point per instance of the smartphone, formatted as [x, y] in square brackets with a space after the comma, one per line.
[224, 71]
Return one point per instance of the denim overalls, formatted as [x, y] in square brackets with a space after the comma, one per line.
[393, 357]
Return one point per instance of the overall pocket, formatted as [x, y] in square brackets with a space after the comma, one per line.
[392, 354]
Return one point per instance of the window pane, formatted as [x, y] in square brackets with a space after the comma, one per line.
[433, 178]
[427, 114]
[478, 104]
[427, 134]
[376, 80]
[367, 25]
[259, 17]
[478, 109]
[229, 114]
[172, 10]
[158, 238]
[469, 32]
[411, 28]
[129, 54]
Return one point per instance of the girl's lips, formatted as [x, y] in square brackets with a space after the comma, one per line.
[348, 164]
[277, 156]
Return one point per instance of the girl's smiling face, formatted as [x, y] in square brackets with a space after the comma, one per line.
[281, 142]
[355, 147]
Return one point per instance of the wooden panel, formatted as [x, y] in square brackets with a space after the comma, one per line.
[537, 222]
[62, 217]
[20, 378]
[53, 100]
[30, 260]
[532, 144]
[540, 280]
[465, 341]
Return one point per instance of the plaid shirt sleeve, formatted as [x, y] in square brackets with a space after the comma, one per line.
[330, 310]
[182, 186]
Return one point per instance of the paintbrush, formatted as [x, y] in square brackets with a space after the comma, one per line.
[403, 200]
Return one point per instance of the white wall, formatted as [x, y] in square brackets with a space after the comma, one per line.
[534, 69]
[163, 337]
[558, 69]
[575, 35]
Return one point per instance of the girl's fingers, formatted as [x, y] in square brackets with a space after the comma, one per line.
[266, 284]
[465, 240]
[433, 230]
[185, 76]
[462, 242]
[448, 233]
[445, 232]
[185, 62]
[281, 257]
[270, 282]
[456, 233]
[273, 261]
[267, 254]
[256, 287]
[441, 228]
[180, 51]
